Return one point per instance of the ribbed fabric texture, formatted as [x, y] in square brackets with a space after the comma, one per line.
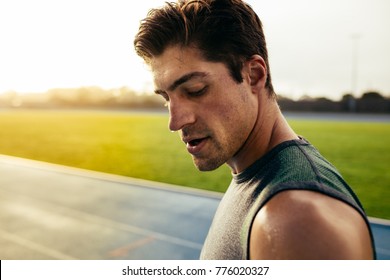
[292, 165]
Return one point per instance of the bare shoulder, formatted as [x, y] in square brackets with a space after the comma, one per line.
[300, 224]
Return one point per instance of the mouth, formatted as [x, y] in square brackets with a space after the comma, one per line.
[195, 145]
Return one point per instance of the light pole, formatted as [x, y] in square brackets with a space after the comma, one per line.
[355, 52]
[354, 72]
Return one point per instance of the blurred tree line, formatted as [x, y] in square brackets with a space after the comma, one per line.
[369, 102]
[84, 97]
[123, 98]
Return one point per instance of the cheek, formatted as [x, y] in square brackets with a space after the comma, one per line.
[228, 123]
[223, 114]
[235, 106]
[238, 119]
[230, 112]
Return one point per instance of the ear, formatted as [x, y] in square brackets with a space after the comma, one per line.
[257, 70]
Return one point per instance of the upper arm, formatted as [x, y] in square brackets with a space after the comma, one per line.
[298, 224]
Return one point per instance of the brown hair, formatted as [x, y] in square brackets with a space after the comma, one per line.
[226, 31]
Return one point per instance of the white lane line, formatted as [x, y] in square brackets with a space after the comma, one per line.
[379, 221]
[34, 246]
[91, 218]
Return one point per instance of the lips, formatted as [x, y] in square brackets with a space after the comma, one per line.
[195, 142]
[195, 145]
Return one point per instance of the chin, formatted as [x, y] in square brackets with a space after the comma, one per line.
[208, 165]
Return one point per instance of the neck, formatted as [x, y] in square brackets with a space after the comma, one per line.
[270, 129]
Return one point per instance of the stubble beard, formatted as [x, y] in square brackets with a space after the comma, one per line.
[215, 156]
[219, 149]
[208, 164]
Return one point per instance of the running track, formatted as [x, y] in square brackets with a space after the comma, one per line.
[49, 211]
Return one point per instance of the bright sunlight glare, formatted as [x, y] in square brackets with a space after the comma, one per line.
[73, 43]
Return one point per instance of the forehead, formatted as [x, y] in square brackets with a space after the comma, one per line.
[175, 62]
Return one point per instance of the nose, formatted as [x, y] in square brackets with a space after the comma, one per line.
[181, 114]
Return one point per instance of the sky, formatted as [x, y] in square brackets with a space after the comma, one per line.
[315, 47]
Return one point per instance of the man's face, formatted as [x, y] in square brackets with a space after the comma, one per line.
[212, 112]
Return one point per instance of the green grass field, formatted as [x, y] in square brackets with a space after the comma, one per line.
[140, 145]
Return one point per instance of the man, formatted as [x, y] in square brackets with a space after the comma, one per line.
[209, 61]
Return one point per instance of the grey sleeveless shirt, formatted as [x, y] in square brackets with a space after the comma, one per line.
[292, 165]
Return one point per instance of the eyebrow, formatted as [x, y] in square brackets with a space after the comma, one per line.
[182, 80]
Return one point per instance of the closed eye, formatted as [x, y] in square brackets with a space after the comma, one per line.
[197, 92]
